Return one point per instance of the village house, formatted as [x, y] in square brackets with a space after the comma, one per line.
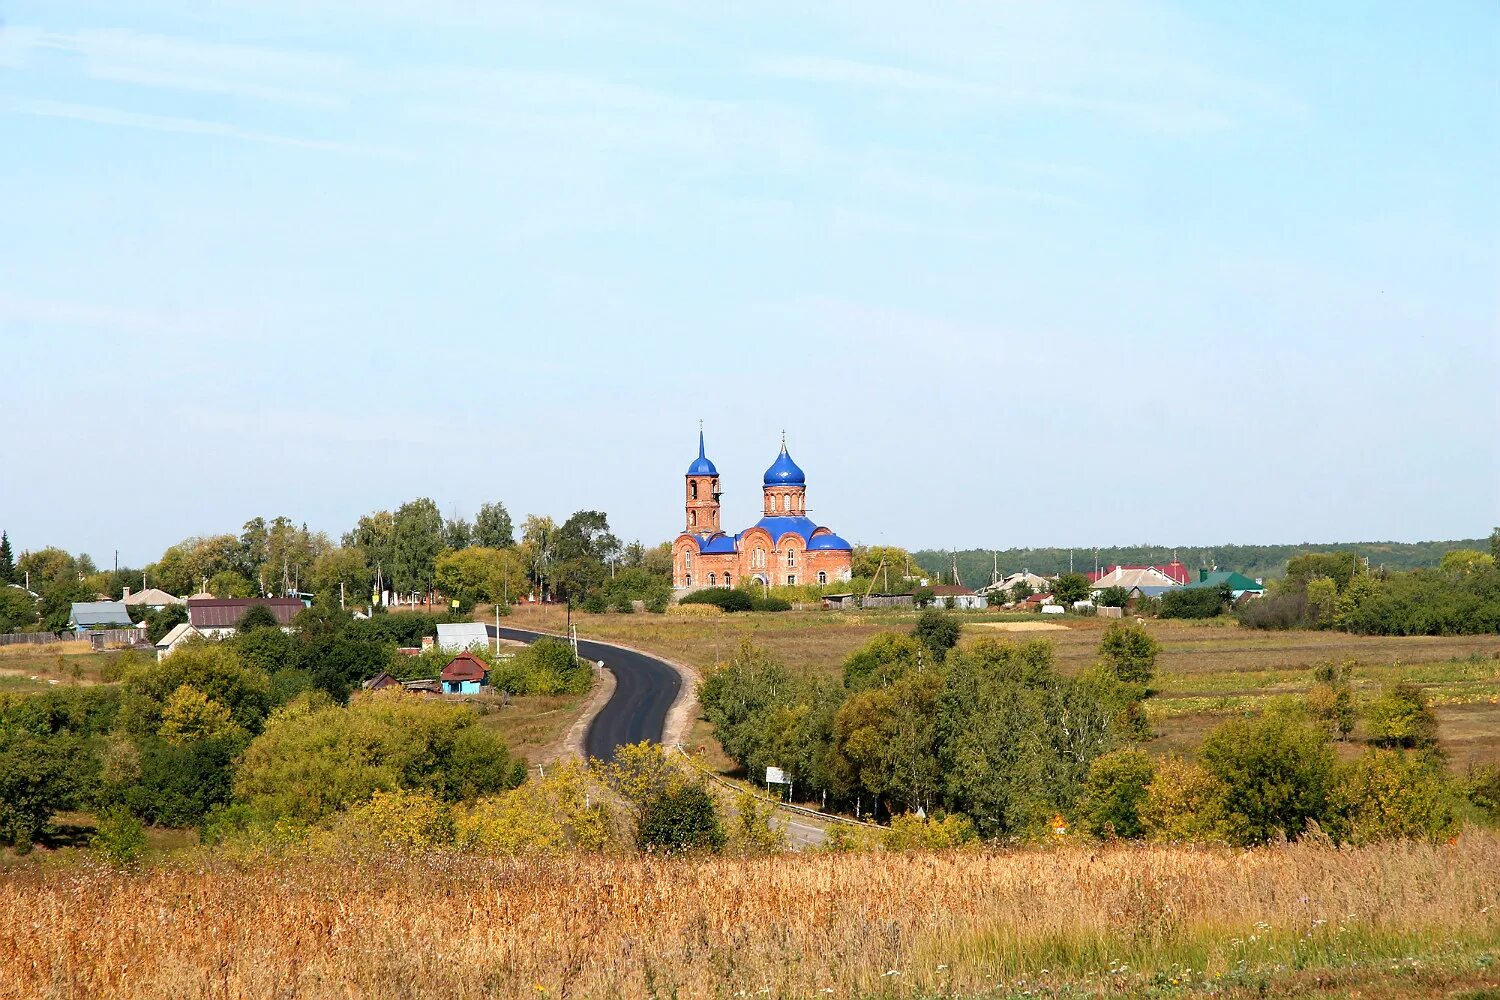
[85, 616]
[960, 598]
[1239, 585]
[169, 642]
[150, 598]
[217, 617]
[464, 674]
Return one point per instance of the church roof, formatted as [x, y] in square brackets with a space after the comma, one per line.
[716, 543]
[784, 472]
[701, 465]
[777, 525]
[829, 542]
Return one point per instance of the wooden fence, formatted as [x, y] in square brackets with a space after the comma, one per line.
[101, 639]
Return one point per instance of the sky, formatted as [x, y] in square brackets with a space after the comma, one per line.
[1006, 274]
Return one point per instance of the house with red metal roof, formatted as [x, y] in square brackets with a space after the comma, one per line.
[464, 674]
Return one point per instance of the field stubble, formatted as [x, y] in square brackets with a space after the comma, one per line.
[1116, 918]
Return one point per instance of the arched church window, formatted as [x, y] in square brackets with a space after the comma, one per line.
[693, 518]
[687, 558]
[791, 558]
[689, 580]
[791, 579]
[822, 577]
[713, 580]
[693, 489]
[728, 581]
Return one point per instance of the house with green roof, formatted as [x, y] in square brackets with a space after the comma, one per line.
[1239, 585]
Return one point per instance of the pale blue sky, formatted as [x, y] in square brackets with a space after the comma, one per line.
[1007, 273]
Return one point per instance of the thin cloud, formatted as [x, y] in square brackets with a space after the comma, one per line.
[181, 126]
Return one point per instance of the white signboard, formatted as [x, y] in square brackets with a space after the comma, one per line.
[776, 776]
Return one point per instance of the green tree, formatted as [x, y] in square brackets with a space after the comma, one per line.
[7, 560]
[480, 574]
[343, 572]
[937, 631]
[1330, 700]
[1130, 652]
[213, 669]
[1275, 773]
[1402, 718]
[257, 616]
[457, 533]
[188, 714]
[163, 620]
[1340, 567]
[375, 536]
[18, 609]
[884, 659]
[228, 583]
[682, 819]
[36, 781]
[1194, 602]
[888, 737]
[417, 541]
[1184, 803]
[1116, 790]
[1070, 587]
[1112, 597]
[493, 528]
[180, 784]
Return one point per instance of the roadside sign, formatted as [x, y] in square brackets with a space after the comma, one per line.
[776, 776]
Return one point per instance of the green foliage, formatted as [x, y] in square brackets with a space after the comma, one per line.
[479, 574]
[680, 819]
[552, 814]
[1130, 652]
[399, 821]
[1275, 773]
[493, 528]
[1109, 597]
[1339, 567]
[1401, 718]
[38, 777]
[210, 668]
[119, 837]
[923, 596]
[1193, 602]
[911, 832]
[416, 541]
[78, 711]
[1330, 700]
[18, 609]
[315, 757]
[720, 597]
[227, 583]
[267, 649]
[751, 832]
[189, 715]
[884, 659]
[547, 666]
[178, 784]
[255, 617]
[1386, 794]
[163, 620]
[7, 560]
[1116, 790]
[937, 631]
[1183, 803]
[1070, 587]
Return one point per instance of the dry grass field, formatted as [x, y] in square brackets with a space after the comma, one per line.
[1397, 919]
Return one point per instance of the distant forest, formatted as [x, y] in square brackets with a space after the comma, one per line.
[1266, 561]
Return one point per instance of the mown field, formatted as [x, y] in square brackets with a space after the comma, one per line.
[1396, 919]
[1206, 671]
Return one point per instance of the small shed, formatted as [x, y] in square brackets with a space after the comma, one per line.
[835, 602]
[169, 642]
[380, 682]
[464, 674]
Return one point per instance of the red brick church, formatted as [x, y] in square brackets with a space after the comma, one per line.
[783, 548]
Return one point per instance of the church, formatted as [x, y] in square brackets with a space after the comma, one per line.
[783, 548]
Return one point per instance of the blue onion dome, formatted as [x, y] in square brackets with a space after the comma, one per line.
[828, 543]
[701, 465]
[783, 471]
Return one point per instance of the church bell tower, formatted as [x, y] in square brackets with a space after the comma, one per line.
[702, 494]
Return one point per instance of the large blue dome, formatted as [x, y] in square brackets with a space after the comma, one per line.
[829, 543]
[701, 465]
[784, 472]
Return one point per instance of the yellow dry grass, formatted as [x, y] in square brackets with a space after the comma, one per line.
[785, 925]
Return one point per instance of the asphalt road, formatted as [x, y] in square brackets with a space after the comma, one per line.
[645, 688]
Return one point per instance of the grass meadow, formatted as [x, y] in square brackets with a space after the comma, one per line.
[1395, 919]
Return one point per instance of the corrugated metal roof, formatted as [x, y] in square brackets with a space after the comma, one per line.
[93, 614]
[215, 612]
[151, 598]
[464, 667]
[462, 635]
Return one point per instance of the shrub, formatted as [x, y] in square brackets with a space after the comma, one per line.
[1286, 610]
[722, 598]
[595, 604]
[1276, 773]
[1194, 602]
[1402, 718]
[36, 780]
[1113, 597]
[547, 666]
[188, 714]
[1482, 786]
[1386, 794]
[553, 814]
[119, 837]
[681, 819]
[178, 785]
[1116, 789]
[256, 616]
[164, 620]
[910, 832]
[400, 821]
[695, 610]
[752, 832]
[1183, 803]
[1130, 651]
[1330, 700]
[770, 604]
[937, 631]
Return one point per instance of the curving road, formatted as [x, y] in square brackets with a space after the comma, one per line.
[645, 689]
